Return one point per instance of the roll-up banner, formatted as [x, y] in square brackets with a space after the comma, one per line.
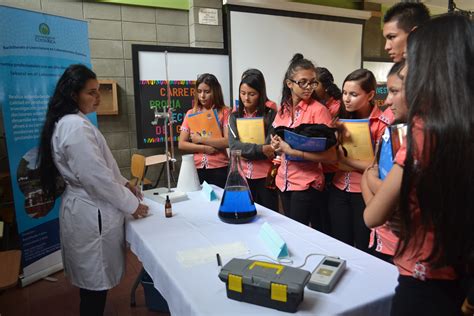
[35, 49]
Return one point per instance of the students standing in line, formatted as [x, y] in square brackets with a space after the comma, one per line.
[383, 241]
[346, 204]
[256, 158]
[431, 184]
[210, 155]
[301, 182]
[399, 21]
[252, 71]
[97, 197]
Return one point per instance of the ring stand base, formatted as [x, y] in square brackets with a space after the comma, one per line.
[159, 195]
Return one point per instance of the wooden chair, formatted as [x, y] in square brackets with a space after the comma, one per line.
[137, 170]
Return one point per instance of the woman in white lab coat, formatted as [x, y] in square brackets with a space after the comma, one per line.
[96, 199]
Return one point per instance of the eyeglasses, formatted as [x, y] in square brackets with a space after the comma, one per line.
[303, 84]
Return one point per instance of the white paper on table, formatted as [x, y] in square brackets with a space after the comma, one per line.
[196, 256]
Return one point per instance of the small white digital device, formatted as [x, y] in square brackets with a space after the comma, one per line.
[326, 274]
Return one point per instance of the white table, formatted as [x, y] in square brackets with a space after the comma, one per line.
[366, 287]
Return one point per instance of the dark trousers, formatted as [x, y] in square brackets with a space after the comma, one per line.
[92, 302]
[262, 195]
[303, 206]
[217, 176]
[430, 297]
[346, 211]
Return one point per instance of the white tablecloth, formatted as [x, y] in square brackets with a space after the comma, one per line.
[366, 288]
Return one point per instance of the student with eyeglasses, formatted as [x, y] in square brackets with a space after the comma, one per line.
[300, 182]
[346, 205]
[210, 155]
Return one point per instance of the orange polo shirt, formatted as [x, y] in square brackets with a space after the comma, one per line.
[349, 181]
[300, 175]
[333, 106]
[412, 263]
[218, 159]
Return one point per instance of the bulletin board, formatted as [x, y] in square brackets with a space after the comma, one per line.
[185, 64]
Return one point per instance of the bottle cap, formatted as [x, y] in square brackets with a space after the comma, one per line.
[167, 198]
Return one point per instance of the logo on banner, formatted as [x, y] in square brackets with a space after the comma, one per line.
[44, 30]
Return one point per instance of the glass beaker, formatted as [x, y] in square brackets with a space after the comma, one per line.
[237, 204]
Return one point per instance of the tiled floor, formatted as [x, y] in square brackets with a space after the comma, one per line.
[61, 298]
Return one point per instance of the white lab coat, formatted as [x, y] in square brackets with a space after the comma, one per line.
[92, 259]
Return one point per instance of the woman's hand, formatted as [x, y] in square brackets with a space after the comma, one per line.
[268, 151]
[196, 138]
[209, 150]
[275, 142]
[135, 190]
[141, 211]
[373, 171]
[283, 147]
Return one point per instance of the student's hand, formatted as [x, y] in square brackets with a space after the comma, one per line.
[196, 138]
[135, 190]
[209, 149]
[268, 151]
[373, 171]
[342, 131]
[275, 142]
[141, 211]
[283, 147]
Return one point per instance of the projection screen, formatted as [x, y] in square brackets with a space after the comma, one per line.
[267, 40]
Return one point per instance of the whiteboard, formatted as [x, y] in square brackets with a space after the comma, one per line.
[185, 66]
[268, 41]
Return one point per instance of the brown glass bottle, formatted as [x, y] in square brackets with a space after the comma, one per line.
[272, 172]
[168, 211]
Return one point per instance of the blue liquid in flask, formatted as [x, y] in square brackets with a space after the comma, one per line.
[237, 206]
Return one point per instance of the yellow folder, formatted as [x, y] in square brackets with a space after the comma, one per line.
[359, 143]
[251, 130]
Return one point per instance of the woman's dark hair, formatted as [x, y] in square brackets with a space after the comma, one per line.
[440, 91]
[325, 78]
[213, 83]
[254, 82]
[366, 80]
[297, 62]
[396, 69]
[259, 75]
[62, 102]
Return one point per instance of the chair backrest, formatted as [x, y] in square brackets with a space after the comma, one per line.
[137, 168]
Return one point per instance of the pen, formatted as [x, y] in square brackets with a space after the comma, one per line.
[219, 262]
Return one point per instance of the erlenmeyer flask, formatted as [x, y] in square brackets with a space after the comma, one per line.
[237, 204]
